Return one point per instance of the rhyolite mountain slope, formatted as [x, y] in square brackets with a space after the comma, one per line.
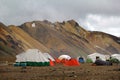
[13, 40]
[57, 38]
[69, 38]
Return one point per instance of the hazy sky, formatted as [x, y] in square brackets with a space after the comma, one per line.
[100, 15]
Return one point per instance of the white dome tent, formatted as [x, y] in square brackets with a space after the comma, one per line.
[32, 57]
[93, 56]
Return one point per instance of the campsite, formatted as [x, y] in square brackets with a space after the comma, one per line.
[59, 39]
[35, 65]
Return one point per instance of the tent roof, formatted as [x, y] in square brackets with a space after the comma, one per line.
[93, 56]
[116, 56]
[48, 56]
[32, 55]
[64, 57]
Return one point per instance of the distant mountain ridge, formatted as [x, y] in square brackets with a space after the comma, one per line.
[57, 38]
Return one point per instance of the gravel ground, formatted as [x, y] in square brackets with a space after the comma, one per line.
[60, 72]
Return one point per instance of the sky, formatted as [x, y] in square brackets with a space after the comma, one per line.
[93, 15]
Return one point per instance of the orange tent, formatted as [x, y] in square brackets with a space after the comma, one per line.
[71, 62]
[66, 60]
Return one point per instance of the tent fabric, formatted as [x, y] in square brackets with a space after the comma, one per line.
[57, 60]
[71, 62]
[89, 60]
[51, 63]
[48, 56]
[94, 55]
[32, 57]
[67, 57]
[117, 56]
[81, 60]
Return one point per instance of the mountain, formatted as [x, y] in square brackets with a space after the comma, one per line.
[14, 40]
[66, 37]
